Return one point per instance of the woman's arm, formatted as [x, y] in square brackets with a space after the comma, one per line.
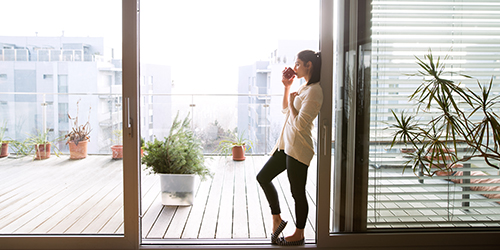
[285, 97]
[293, 111]
[288, 84]
[311, 104]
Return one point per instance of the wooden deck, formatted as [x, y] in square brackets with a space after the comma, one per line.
[62, 196]
[229, 206]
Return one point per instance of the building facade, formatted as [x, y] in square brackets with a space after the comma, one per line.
[46, 83]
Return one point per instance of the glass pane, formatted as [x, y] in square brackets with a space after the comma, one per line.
[59, 73]
[400, 197]
[222, 69]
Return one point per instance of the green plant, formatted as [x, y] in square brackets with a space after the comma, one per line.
[455, 122]
[142, 143]
[21, 147]
[41, 138]
[78, 132]
[226, 145]
[117, 137]
[179, 153]
[3, 128]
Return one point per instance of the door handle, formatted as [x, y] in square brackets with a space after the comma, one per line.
[128, 118]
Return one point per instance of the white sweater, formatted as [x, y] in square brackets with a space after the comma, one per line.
[296, 137]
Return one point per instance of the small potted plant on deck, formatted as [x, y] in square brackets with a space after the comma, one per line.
[117, 148]
[42, 145]
[177, 159]
[4, 144]
[78, 137]
[235, 145]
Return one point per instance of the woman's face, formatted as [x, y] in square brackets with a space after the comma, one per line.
[302, 69]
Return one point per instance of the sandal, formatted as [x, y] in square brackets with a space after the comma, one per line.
[282, 242]
[276, 234]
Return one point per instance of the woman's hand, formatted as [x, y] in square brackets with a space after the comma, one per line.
[287, 82]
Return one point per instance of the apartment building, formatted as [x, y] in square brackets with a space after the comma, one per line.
[53, 79]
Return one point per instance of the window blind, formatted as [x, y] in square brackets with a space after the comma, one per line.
[469, 33]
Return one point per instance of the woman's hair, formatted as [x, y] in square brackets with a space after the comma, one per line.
[315, 59]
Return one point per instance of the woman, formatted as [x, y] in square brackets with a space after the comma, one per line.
[294, 150]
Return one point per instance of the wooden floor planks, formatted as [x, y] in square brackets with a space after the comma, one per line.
[231, 205]
[62, 196]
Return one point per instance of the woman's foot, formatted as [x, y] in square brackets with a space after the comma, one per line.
[283, 242]
[278, 226]
[297, 238]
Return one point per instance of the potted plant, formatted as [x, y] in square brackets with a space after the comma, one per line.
[177, 159]
[4, 143]
[42, 145]
[78, 137]
[454, 122]
[236, 145]
[21, 148]
[117, 148]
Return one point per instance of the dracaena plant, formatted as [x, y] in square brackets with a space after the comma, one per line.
[454, 122]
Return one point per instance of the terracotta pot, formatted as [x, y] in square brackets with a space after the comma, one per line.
[42, 151]
[142, 152]
[5, 150]
[239, 153]
[117, 151]
[407, 150]
[78, 151]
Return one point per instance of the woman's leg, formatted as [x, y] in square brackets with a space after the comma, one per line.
[274, 166]
[297, 176]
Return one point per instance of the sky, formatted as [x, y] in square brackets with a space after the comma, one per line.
[204, 42]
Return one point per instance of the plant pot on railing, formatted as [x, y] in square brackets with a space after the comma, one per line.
[42, 151]
[77, 150]
[5, 149]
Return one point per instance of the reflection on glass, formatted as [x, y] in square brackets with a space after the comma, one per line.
[399, 197]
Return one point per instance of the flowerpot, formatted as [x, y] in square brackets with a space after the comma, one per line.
[5, 149]
[42, 151]
[142, 152]
[239, 153]
[177, 189]
[407, 150]
[117, 151]
[78, 151]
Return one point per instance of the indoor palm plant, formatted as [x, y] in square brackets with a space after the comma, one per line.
[177, 159]
[455, 122]
[236, 145]
[78, 137]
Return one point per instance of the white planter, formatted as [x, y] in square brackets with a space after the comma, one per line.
[177, 189]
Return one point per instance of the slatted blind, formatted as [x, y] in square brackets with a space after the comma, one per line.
[469, 32]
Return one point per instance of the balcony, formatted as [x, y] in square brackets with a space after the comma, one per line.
[62, 196]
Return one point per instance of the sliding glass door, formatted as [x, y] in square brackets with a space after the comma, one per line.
[219, 63]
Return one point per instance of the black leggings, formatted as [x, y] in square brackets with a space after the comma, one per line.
[297, 176]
